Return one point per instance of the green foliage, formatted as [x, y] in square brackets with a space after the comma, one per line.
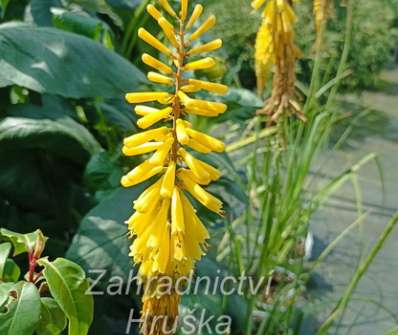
[25, 307]
[68, 286]
[372, 43]
[22, 310]
[56, 54]
[237, 25]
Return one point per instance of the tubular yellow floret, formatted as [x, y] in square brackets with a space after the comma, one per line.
[208, 47]
[168, 31]
[141, 149]
[159, 78]
[167, 188]
[211, 87]
[184, 10]
[151, 9]
[152, 118]
[190, 89]
[206, 140]
[206, 26]
[146, 136]
[177, 214]
[143, 110]
[156, 64]
[165, 4]
[209, 106]
[202, 64]
[160, 155]
[197, 12]
[141, 173]
[149, 198]
[136, 98]
[182, 135]
[153, 41]
[198, 146]
[205, 198]
[193, 164]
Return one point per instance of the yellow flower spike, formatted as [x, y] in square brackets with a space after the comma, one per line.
[208, 86]
[184, 10]
[177, 213]
[136, 98]
[160, 156]
[182, 134]
[141, 149]
[167, 188]
[156, 64]
[141, 173]
[197, 12]
[150, 119]
[159, 78]
[208, 47]
[256, 4]
[206, 140]
[168, 30]
[275, 47]
[165, 4]
[143, 110]
[202, 64]
[152, 10]
[153, 41]
[146, 136]
[205, 198]
[169, 237]
[206, 26]
[193, 164]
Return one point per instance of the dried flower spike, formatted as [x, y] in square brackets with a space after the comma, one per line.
[275, 47]
[168, 236]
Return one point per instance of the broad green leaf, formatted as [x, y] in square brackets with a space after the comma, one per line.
[124, 4]
[99, 6]
[5, 249]
[24, 242]
[52, 319]
[68, 285]
[102, 172]
[78, 23]
[58, 135]
[101, 241]
[23, 311]
[4, 294]
[40, 11]
[12, 272]
[54, 149]
[62, 63]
